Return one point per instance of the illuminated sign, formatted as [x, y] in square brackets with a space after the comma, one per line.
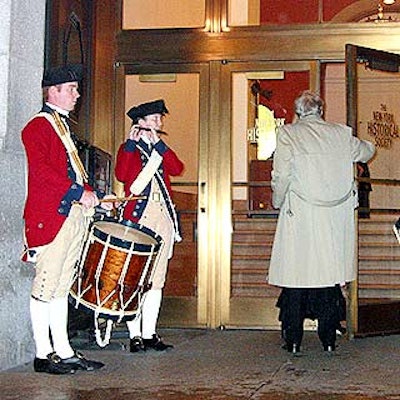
[264, 132]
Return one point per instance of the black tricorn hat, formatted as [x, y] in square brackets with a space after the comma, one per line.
[153, 107]
[62, 74]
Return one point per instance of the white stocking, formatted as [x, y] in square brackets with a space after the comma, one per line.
[40, 327]
[59, 327]
[135, 327]
[150, 311]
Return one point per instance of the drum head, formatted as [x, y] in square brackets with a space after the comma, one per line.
[123, 234]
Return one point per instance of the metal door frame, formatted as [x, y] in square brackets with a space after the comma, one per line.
[201, 305]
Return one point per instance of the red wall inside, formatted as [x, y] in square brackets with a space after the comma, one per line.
[331, 8]
[288, 12]
[284, 92]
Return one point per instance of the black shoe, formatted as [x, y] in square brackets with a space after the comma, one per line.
[330, 348]
[293, 348]
[52, 365]
[78, 361]
[136, 344]
[156, 343]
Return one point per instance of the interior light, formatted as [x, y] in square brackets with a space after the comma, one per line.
[389, 2]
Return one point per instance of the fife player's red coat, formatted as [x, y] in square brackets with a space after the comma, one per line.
[129, 164]
[51, 182]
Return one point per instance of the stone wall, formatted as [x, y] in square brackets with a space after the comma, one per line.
[22, 34]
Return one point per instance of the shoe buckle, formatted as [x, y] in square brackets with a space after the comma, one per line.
[79, 355]
[55, 358]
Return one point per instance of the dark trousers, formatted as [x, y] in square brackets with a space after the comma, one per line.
[324, 304]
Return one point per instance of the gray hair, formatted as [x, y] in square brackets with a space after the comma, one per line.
[308, 103]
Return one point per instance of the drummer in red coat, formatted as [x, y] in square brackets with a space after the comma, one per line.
[144, 165]
[56, 212]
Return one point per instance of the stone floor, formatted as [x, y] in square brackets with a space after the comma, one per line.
[215, 364]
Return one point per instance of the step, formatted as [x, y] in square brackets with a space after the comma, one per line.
[380, 286]
[379, 250]
[379, 257]
[248, 236]
[254, 259]
[244, 264]
[251, 249]
[373, 293]
[374, 257]
[370, 236]
[379, 279]
[255, 290]
[249, 276]
[255, 225]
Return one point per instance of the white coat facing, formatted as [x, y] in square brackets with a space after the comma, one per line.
[313, 186]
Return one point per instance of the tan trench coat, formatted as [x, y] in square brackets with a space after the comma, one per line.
[313, 186]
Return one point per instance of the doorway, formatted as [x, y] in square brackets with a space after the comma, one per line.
[262, 96]
[184, 90]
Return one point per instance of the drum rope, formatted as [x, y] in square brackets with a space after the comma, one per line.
[107, 335]
[140, 287]
[122, 277]
[88, 241]
[104, 342]
[101, 303]
[100, 268]
[103, 336]
[87, 289]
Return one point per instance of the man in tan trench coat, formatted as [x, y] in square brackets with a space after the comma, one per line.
[313, 251]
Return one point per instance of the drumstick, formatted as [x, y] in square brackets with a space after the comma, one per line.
[122, 199]
[116, 199]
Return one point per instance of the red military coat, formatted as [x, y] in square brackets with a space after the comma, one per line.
[51, 182]
[129, 164]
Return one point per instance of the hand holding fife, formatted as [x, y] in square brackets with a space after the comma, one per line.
[134, 133]
[89, 199]
[150, 133]
[153, 135]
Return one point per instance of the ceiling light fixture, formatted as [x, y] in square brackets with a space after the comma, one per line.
[380, 17]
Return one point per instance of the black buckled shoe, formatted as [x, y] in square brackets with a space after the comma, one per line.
[156, 343]
[79, 362]
[52, 365]
[136, 344]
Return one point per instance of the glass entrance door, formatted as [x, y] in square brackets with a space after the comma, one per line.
[262, 98]
[185, 125]
[373, 87]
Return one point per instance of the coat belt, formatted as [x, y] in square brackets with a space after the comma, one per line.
[321, 203]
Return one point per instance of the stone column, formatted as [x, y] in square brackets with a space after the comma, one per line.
[22, 34]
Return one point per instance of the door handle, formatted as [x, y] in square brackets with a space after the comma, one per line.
[202, 203]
